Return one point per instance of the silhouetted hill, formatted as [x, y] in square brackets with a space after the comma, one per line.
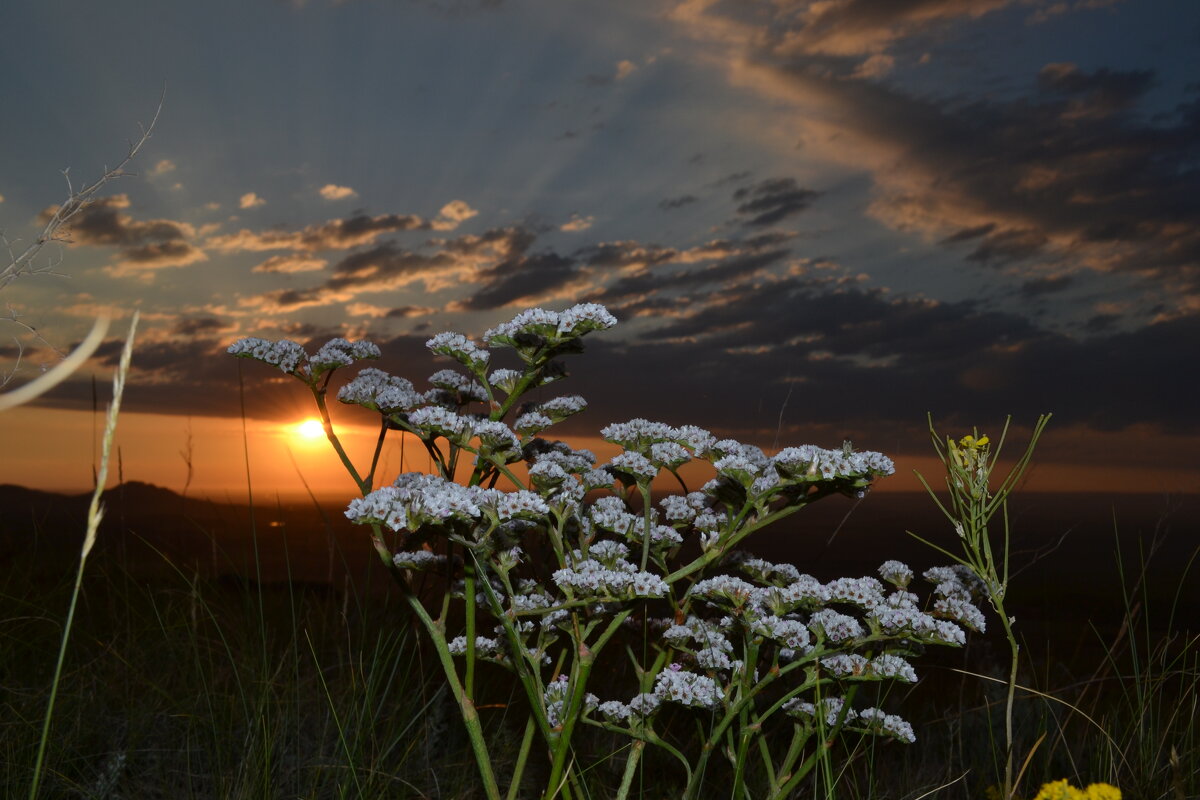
[1065, 545]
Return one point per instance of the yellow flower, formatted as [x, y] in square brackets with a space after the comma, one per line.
[969, 442]
[1063, 790]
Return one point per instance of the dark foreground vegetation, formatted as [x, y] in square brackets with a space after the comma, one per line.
[213, 658]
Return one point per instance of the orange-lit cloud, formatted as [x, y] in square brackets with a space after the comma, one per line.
[332, 191]
[251, 200]
[291, 263]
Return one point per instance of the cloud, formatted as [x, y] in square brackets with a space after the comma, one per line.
[621, 70]
[452, 215]
[162, 167]
[146, 258]
[772, 200]
[145, 245]
[335, 234]
[577, 223]
[1074, 172]
[331, 191]
[672, 203]
[291, 263]
[385, 267]
[251, 200]
[1, 198]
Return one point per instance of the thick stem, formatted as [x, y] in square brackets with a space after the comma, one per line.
[635, 756]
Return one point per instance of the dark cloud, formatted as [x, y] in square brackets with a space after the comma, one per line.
[198, 326]
[1042, 286]
[772, 200]
[336, 234]
[1097, 94]
[520, 279]
[1002, 247]
[672, 203]
[144, 244]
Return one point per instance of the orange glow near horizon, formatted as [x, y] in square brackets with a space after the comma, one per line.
[54, 450]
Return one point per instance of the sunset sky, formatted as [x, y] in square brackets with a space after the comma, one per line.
[814, 220]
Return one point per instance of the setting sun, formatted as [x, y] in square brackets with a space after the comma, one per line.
[310, 428]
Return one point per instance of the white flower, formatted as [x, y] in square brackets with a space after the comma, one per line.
[342, 353]
[845, 665]
[285, 354]
[461, 349]
[560, 408]
[875, 720]
[634, 464]
[687, 688]
[896, 572]
[375, 389]
[892, 666]
[532, 423]
[585, 317]
[835, 627]
[438, 421]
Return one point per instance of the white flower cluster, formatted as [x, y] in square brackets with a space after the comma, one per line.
[810, 461]
[438, 421]
[790, 633]
[638, 434]
[956, 586]
[866, 593]
[896, 573]
[560, 408]
[496, 436]
[634, 464]
[460, 348]
[377, 390]
[661, 536]
[831, 709]
[677, 685]
[669, 455]
[285, 354]
[876, 720]
[485, 647]
[899, 614]
[416, 499]
[766, 572]
[505, 379]
[532, 423]
[551, 325]
[556, 696]
[585, 317]
[834, 626]
[610, 513]
[511, 505]
[455, 382]
[728, 591]
[618, 580]
[342, 353]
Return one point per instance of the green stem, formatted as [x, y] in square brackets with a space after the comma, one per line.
[522, 757]
[635, 755]
[364, 487]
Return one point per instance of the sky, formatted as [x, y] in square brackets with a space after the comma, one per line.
[816, 220]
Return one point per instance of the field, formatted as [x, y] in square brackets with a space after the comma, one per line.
[222, 654]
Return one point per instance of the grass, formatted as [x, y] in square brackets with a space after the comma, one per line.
[194, 687]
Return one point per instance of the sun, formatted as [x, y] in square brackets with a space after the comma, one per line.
[309, 429]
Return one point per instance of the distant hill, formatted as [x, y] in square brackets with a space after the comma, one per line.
[146, 526]
[1067, 541]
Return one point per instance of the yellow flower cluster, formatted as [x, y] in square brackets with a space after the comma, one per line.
[1063, 790]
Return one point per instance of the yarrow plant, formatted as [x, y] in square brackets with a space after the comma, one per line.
[549, 567]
